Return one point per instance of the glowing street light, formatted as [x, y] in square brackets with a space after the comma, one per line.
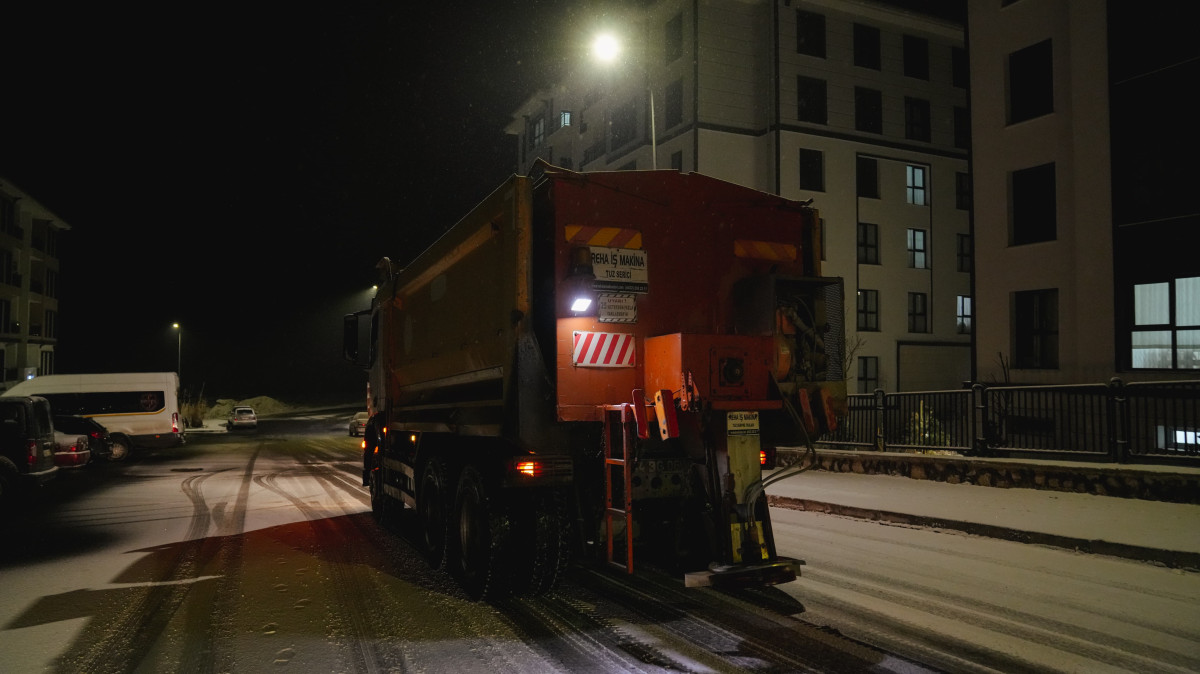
[606, 48]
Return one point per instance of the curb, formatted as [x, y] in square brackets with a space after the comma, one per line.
[1188, 561]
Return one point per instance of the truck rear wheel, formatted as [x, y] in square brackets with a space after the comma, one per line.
[434, 506]
[544, 531]
[475, 564]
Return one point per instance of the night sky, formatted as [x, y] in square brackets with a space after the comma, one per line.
[242, 170]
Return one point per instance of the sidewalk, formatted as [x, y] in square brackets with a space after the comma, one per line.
[1156, 531]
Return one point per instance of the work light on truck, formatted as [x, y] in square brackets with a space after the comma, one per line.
[581, 304]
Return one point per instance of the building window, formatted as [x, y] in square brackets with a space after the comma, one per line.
[8, 216]
[868, 243]
[6, 322]
[866, 47]
[1035, 329]
[564, 118]
[810, 33]
[673, 34]
[868, 110]
[1166, 318]
[1034, 205]
[811, 100]
[962, 191]
[868, 177]
[812, 170]
[918, 312]
[677, 161]
[868, 310]
[962, 128]
[966, 260]
[868, 374]
[46, 363]
[960, 68]
[673, 108]
[915, 185]
[916, 119]
[50, 317]
[964, 314]
[8, 268]
[1030, 82]
[916, 57]
[537, 133]
[51, 283]
[917, 253]
[623, 129]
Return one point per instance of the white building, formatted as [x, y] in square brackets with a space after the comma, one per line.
[29, 272]
[1083, 163]
[855, 104]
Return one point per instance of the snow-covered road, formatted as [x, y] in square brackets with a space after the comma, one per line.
[254, 551]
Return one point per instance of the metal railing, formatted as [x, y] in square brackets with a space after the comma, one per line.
[1135, 422]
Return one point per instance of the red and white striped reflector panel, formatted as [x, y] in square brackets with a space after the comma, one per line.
[603, 349]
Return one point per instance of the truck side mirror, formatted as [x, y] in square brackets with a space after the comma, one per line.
[355, 347]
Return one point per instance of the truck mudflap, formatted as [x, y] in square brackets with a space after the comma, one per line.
[751, 574]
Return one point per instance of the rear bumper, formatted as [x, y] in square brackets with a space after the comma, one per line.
[72, 459]
[157, 440]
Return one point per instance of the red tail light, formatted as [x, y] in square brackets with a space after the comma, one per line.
[529, 468]
[33, 452]
[175, 422]
[762, 457]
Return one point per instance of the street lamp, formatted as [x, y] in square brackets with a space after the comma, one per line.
[606, 48]
[179, 349]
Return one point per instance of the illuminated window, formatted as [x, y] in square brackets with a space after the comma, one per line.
[1166, 318]
[918, 257]
[915, 180]
[964, 314]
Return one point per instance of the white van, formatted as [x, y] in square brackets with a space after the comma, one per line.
[139, 409]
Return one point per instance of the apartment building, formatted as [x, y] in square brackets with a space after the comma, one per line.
[29, 273]
[1083, 144]
[860, 106]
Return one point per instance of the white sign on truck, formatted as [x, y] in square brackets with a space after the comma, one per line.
[620, 269]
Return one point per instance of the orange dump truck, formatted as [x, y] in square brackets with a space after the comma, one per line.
[599, 366]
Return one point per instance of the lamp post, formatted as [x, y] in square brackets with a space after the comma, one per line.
[606, 48]
[179, 349]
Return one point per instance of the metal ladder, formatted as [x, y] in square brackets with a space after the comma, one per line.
[618, 459]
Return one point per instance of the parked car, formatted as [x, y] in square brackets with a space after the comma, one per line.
[26, 443]
[99, 441]
[71, 451]
[358, 423]
[242, 417]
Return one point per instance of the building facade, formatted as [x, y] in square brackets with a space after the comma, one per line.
[29, 275]
[857, 105]
[1083, 171]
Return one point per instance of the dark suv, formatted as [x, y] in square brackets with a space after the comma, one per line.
[26, 443]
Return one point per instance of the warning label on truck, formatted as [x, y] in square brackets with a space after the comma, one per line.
[616, 308]
[741, 423]
[620, 269]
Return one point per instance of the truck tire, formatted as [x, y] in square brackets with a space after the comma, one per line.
[476, 559]
[434, 507]
[545, 533]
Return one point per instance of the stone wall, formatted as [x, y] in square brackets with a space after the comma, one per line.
[1175, 485]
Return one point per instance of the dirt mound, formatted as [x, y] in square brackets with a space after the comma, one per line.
[264, 406]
